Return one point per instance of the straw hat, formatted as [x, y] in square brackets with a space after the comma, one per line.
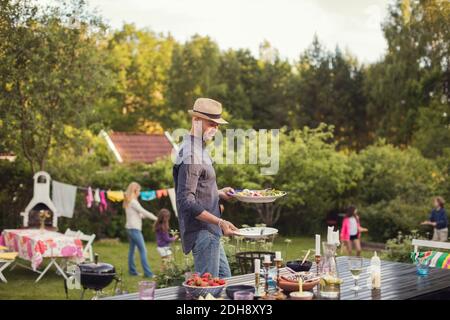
[209, 109]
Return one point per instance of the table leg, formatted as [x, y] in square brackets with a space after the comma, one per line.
[61, 270]
[45, 270]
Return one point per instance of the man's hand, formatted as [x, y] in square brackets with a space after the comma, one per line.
[223, 193]
[228, 228]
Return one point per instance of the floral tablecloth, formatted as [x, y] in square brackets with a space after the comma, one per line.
[35, 245]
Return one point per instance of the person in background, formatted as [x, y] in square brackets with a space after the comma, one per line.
[351, 231]
[134, 215]
[163, 238]
[438, 219]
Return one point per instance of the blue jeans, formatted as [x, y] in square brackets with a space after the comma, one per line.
[137, 240]
[209, 255]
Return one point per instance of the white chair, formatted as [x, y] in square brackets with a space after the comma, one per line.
[71, 233]
[429, 244]
[88, 251]
[6, 259]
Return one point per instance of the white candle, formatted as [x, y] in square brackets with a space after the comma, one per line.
[330, 235]
[257, 266]
[317, 244]
[266, 258]
[278, 255]
[336, 237]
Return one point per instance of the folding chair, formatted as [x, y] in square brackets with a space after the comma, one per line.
[6, 258]
[71, 233]
[88, 251]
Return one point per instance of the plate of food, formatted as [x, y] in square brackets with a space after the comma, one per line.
[258, 196]
[256, 232]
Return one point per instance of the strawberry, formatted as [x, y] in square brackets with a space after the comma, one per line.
[207, 275]
[204, 284]
[216, 280]
[210, 283]
[221, 281]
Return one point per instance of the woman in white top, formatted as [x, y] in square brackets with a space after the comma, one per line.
[134, 214]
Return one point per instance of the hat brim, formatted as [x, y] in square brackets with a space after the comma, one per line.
[203, 116]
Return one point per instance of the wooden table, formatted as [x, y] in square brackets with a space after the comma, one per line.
[399, 281]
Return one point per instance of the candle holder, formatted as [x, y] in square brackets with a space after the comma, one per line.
[257, 281]
[266, 277]
[317, 260]
[278, 264]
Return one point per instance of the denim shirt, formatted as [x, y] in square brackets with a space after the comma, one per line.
[440, 217]
[196, 190]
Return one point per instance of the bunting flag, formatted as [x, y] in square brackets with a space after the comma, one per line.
[99, 196]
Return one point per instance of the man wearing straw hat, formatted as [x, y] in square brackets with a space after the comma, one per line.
[197, 195]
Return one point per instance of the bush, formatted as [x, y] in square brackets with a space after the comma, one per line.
[386, 218]
[396, 189]
[399, 248]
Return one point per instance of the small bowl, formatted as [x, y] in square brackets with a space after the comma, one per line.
[291, 286]
[305, 295]
[297, 265]
[230, 290]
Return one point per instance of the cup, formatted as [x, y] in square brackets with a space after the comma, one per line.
[147, 290]
[243, 295]
[423, 268]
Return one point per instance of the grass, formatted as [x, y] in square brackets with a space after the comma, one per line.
[21, 283]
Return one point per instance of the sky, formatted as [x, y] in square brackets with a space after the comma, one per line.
[289, 25]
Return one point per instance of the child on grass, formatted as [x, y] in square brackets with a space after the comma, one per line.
[163, 238]
[351, 231]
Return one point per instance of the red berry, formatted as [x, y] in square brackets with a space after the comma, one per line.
[204, 284]
[221, 281]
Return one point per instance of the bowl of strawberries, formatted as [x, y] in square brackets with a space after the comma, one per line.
[201, 285]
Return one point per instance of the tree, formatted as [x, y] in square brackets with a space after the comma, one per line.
[414, 70]
[138, 60]
[50, 74]
[328, 89]
[193, 73]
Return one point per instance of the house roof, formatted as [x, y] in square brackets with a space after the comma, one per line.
[139, 147]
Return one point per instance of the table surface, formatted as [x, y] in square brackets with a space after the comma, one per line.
[399, 281]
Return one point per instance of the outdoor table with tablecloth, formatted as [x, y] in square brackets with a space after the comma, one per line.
[35, 244]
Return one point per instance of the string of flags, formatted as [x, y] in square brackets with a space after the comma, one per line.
[100, 197]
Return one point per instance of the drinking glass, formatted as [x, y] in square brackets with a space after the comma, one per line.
[355, 265]
[423, 267]
[147, 290]
[243, 295]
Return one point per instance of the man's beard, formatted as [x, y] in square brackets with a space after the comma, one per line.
[209, 135]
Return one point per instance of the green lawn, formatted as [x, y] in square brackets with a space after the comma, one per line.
[21, 283]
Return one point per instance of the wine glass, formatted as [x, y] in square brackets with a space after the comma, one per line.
[355, 265]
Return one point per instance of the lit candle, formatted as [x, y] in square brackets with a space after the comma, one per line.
[257, 266]
[267, 258]
[277, 255]
[317, 244]
[300, 285]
